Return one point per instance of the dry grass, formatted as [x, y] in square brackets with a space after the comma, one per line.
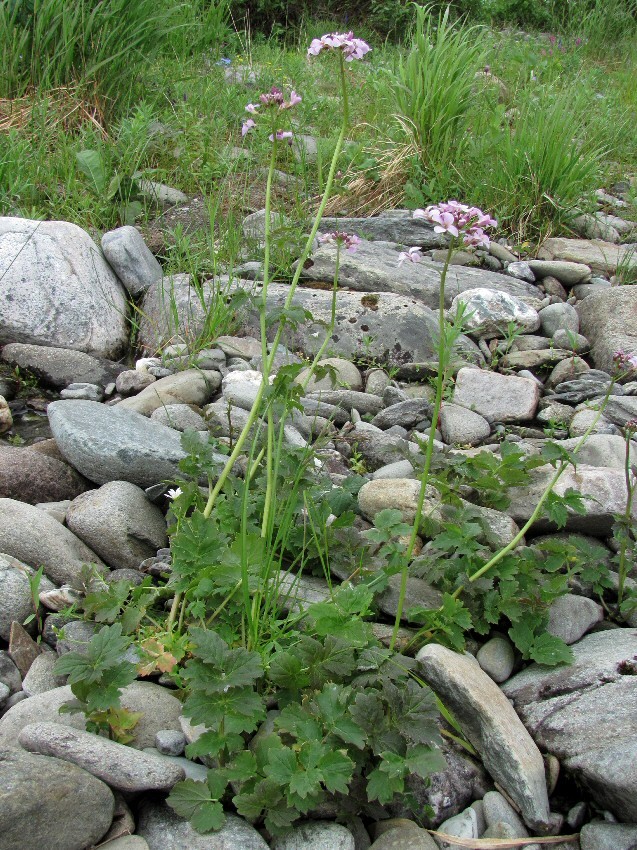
[379, 188]
[67, 107]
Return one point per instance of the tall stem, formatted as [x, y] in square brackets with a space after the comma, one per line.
[254, 412]
[330, 328]
[630, 490]
[424, 479]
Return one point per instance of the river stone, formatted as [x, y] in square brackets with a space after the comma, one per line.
[566, 370]
[490, 312]
[405, 838]
[599, 450]
[159, 708]
[9, 673]
[49, 803]
[557, 317]
[492, 727]
[497, 658]
[6, 417]
[59, 367]
[316, 834]
[165, 830]
[36, 539]
[571, 616]
[594, 226]
[119, 523]
[133, 381]
[461, 426]
[619, 411]
[122, 768]
[576, 343]
[601, 257]
[603, 489]
[129, 257]
[58, 290]
[127, 842]
[29, 476]
[180, 417]
[584, 714]
[377, 381]
[608, 836]
[498, 398]
[40, 676]
[567, 273]
[521, 271]
[406, 413]
[192, 386]
[115, 444]
[346, 374]
[374, 268]
[348, 399]
[391, 225]
[16, 602]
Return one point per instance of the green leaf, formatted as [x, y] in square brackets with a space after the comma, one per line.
[382, 787]
[523, 636]
[198, 802]
[242, 767]
[551, 650]
[336, 769]
[333, 704]
[286, 671]
[91, 164]
[281, 766]
[425, 760]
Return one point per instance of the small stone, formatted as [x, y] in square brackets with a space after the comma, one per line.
[461, 426]
[489, 313]
[133, 381]
[497, 658]
[498, 810]
[406, 413]
[192, 386]
[377, 381]
[181, 417]
[160, 194]
[40, 676]
[165, 830]
[23, 650]
[566, 370]
[405, 838]
[571, 341]
[170, 742]
[9, 673]
[464, 825]
[88, 392]
[608, 836]
[570, 617]
[567, 273]
[559, 316]
[130, 259]
[521, 271]
[345, 374]
[577, 816]
[6, 419]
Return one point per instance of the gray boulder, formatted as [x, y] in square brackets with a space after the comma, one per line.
[461, 426]
[492, 726]
[609, 321]
[584, 714]
[608, 836]
[571, 616]
[601, 257]
[48, 803]
[114, 444]
[33, 477]
[374, 268]
[559, 317]
[131, 260]
[59, 367]
[36, 539]
[490, 312]
[498, 398]
[119, 523]
[57, 289]
[16, 601]
[317, 834]
[390, 226]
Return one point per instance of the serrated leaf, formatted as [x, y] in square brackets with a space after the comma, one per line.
[198, 803]
[425, 760]
[336, 769]
[382, 787]
[550, 650]
[242, 767]
[286, 671]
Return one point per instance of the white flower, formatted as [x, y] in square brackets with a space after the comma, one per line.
[174, 494]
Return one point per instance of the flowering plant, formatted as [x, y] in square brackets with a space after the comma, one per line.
[271, 100]
[456, 219]
[349, 240]
[351, 48]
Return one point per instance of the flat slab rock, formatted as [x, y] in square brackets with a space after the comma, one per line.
[393, 226]
[57, 289]
[492, 726]
[499, 398]
[114, 444]
[121, 767]
[601, 257]
[584, 714]
[374, 268]
[60, 367]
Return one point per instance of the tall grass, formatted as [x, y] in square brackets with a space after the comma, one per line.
[436, 87]
[101, 43]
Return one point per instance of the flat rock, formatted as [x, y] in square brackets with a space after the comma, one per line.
[609, 321]
[316, 834]
[114, 444]
[119, 523]
[159, 708]
[192, 386]
[131, 260]
[568, 273]
[498, 398]
[23, 650]
[36, 539]
[374, 268]
[601, 257]
[489, 313]
[620, 411]
[584, 714]
[492, 726]
[33, 477]
[603, 489]
[405, 413]
[405, 838]
[122, 768]
[48, 803]
[391, 226]
[608, 836]
[57, 289]
[59, 367]
[165, 830]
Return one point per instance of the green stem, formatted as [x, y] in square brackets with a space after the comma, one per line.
[330, 329]
[424, 480]
[254, 412]
[528, 524]
[623, 565]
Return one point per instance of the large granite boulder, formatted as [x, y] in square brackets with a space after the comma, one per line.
[609, 321]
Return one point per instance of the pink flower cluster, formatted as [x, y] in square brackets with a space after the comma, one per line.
[349, 240]
[412, 255]
[353, 48]
[624, 362]
[459, 220]
[272, 99]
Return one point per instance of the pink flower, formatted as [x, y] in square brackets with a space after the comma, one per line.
[458, 219]
[349, 240]
[294, 99]
[353, 48]
[272, 98]
[247, 126]
[281, 134]
[624, 362]
[252, 108]
[412, 255]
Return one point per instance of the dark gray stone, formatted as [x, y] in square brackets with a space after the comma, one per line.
[33, 477]
[164, 830]
[59, 367]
